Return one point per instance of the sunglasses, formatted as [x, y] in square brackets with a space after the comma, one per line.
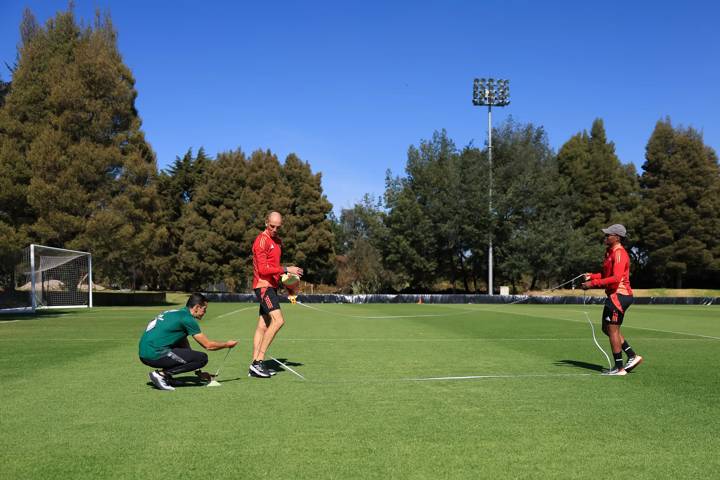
[273, 227]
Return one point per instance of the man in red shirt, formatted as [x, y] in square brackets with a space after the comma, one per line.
[615, 277]
[266, 280]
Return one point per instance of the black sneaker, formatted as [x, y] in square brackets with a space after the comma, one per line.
[258, 370]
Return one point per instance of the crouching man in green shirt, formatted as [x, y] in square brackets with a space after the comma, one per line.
[165, 346]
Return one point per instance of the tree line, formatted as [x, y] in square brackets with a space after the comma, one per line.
[77, 172]
[432, 227]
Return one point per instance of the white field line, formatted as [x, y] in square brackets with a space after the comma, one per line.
[463, 312]
[638, 328]
[624, 326]
[437, 340]
[285, 366]
[38, 339]
[389, 340]
[495, 309]
[476, 377]
[236, 311]
[676, 333]
[520, 376]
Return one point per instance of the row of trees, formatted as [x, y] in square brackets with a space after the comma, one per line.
[548, 210]
[77, 172]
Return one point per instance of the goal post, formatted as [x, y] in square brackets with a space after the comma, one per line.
[49, 277]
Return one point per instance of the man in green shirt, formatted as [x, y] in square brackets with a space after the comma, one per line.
[165, 346]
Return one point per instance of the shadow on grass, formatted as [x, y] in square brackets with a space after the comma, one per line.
[36, 315]
[579, 364]
[270, 364]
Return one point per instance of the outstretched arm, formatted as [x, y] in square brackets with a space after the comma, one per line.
[208, 344]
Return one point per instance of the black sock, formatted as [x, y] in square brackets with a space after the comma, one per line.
[618, 359]
[628, 349]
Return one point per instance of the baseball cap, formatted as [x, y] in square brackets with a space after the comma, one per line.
[616, 229]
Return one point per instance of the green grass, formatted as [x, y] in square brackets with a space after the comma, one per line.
[76, 403]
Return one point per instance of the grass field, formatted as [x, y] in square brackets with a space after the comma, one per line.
[76, 402]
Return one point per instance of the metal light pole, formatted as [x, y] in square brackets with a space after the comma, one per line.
[493, 94]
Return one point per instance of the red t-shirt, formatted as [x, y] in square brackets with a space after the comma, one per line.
[266, 261]
[615, 276]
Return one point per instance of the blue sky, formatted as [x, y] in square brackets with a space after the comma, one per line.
[348, 86]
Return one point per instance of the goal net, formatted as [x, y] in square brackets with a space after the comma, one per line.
[49, 277]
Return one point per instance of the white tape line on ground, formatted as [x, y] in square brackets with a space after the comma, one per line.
[438, 340]
[285, 366]
[494, 308]
[476, 377]
[464, 312]
[389, 340]
[236, 311]
[625, 326]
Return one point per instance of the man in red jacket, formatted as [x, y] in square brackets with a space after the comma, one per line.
[266, 280]
[615, 277]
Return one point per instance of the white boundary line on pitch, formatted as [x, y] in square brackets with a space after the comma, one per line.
[495, 309]
[464, 312]
[236, 311]
[638, 328]
[568, 339]
[624, 326]
[478, 377]
[389, 340]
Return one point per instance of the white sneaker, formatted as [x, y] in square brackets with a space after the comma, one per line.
[633, 362]
[159, 381]
[615, 372]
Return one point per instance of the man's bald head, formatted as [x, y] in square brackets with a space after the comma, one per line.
[273, 217]
[273, 222]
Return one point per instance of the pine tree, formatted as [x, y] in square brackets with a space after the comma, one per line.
[308, 218]
[422, 207]
[177, 187]
[216, 228]
[4, 89]
[79, 172]
[227, 211]
[680, 209]
[600, 189]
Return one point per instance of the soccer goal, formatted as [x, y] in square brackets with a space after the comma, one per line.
[49, 277]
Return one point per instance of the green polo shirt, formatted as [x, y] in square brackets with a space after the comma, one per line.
[165, 330]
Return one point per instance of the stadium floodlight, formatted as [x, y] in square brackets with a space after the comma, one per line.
[49, 277]
[491, 93]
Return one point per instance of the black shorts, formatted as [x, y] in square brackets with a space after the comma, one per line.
[268, 298]
[615, 307]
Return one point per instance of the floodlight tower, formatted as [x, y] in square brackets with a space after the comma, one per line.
[493, 93]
